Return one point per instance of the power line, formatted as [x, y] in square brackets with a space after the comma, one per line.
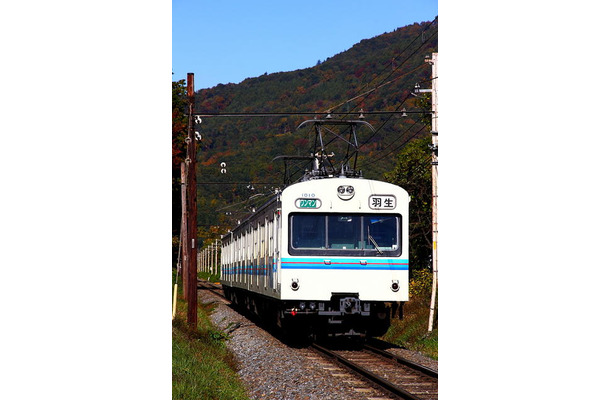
[387, 77]
[399, 66]
[389, 64]
[375, 88]
[344, 115]
[392, 151]
[285, 114]
[238, 183]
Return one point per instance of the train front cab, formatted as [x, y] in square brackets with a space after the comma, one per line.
[343, 268]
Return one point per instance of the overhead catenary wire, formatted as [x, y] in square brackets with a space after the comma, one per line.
[378, 129]
[389, 64]
[423, 164]
[397, 148]
[330, 111]
[247, 200]
[390, 74]
[366, 94]
[238, 183]
[384, 82]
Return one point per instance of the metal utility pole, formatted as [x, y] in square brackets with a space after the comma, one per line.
[434, 62]
[191, 207]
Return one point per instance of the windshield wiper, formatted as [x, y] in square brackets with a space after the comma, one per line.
[375, 244]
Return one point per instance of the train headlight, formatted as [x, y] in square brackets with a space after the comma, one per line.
[295, 284]
[345, 192]
[395, 286]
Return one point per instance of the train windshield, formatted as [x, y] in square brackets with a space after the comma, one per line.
[348, 234]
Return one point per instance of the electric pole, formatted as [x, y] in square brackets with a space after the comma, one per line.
[183, 238]
[191, 208]
[434, 62]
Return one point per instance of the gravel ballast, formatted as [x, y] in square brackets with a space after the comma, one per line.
[271, 369]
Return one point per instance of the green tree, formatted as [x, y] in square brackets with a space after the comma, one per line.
[413, 173]
[179, 123]
[179, 133]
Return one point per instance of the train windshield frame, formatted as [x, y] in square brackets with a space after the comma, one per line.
[345, 234]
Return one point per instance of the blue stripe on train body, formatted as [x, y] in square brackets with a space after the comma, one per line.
[378, 264]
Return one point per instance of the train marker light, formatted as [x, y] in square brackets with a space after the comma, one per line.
[345, 192]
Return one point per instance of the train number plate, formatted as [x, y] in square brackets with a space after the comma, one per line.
[308, 203]
[382, 202]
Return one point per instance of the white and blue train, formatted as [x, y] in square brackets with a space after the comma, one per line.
[327, 256]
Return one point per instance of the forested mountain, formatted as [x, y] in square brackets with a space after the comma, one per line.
[392, 62]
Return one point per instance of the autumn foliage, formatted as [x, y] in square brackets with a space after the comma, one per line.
[392, 62]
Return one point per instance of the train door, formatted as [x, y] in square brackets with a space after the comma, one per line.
[257, 253]
[249, 257]
[276, 250]
[268, 252]
[253, 264]
[261, 254]
[242, 259]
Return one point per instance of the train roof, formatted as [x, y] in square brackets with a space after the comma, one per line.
[277, 196]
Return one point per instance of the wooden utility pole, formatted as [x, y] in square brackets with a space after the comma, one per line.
[191, 207]
[183, 239]
[434, 62]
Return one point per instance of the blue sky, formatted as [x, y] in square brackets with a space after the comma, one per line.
[229, 41]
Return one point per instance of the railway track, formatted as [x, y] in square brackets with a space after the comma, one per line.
[214, 288]
[395, 375]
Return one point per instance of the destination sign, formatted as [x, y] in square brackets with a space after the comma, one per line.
[382, 202]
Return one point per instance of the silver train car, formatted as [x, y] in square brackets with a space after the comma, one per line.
[324, 257]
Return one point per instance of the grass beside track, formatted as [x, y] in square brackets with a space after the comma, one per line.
[215, 278]
[412, 331]
[202, 366]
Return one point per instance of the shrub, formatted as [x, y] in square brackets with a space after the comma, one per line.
[420, 284]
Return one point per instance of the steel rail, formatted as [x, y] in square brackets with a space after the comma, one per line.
[206, 285]
[385, 384]
[424, 370]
